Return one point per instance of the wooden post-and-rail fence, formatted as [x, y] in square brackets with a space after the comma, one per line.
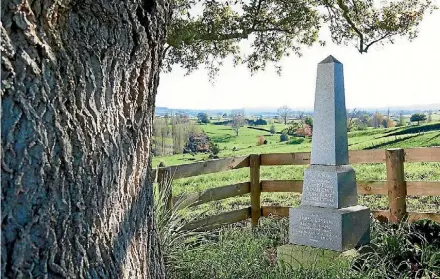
[395, 187]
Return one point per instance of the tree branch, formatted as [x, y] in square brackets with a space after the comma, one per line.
[377, 40]
[166, 50]
[345, 11]
[254, 24]
[238, 35]
[355, 7]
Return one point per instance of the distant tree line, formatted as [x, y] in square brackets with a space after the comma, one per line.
[356, 120]
[171, 134]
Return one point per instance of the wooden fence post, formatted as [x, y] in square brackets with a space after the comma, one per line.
[254, 160]
[396, 184]
[164, 184]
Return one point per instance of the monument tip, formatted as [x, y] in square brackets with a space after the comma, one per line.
[330, 59]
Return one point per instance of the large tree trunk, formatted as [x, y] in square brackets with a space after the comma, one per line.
[79, 80]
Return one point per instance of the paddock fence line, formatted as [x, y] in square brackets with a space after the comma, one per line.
[395, 187]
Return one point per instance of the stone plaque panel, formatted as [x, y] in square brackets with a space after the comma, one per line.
[334, 229]
[329, 186]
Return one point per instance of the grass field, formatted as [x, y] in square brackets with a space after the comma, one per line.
[246, 142]
[238, 252]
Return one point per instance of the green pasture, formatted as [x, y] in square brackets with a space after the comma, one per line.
[238, 251]
[246, 142]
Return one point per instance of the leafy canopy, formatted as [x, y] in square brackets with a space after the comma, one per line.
[203, 117]
[205, 32]
[418, 117]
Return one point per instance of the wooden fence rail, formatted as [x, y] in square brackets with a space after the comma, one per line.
[214, 194]
[283, 211]
[412, 155]
[395, 187]
[414, 188]
[211, 166]
[220, 219]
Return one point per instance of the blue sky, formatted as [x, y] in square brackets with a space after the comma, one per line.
[400, 74]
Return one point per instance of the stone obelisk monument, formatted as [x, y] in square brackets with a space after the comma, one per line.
[329, 216]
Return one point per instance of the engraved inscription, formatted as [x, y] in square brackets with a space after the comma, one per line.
[315, 228]
[320, 193]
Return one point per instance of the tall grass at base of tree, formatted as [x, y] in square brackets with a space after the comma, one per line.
[170, 224]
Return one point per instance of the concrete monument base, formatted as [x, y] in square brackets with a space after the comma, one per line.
[329, 228]
[311, 257]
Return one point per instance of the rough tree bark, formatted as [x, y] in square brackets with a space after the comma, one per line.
[79, 80]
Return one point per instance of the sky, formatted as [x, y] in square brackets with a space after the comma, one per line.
[400, 74]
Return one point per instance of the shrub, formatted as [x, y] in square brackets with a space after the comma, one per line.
[203, 117]
[309, 121]
[284, 137]
[391, 123]
[295, 140]
[260, 140]
[214, 148]
[304, 132]
[257, 122]
[272, 129]
[361, 127]
[197, 142]
[291, 130]
[225, 122]
[212, 156]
